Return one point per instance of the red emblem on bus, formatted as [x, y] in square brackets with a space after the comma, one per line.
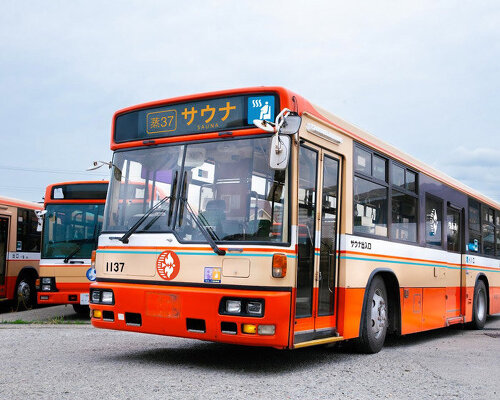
[168, 265]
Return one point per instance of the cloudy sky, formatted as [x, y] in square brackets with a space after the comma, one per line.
[423, 76]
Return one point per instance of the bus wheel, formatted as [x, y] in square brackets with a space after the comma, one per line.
[375, 319]
[479, 306]
[25, 292]
[81, 310]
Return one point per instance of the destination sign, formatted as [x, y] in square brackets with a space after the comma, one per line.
[212, 115]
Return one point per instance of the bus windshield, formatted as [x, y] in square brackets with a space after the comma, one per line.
[71, 230]
[227, 185]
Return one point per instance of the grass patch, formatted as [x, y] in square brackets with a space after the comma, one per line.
[51, 321]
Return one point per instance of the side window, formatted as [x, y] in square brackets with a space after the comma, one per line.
[404, 203]
[453, 229]
[370, 207]
[433, 221]
[497, 223]
[474, 244]
[488, 230]
[28, 239]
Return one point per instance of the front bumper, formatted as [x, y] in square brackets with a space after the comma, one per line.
[171, 310]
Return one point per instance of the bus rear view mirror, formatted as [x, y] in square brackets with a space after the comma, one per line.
[291, 125]
[279, 153]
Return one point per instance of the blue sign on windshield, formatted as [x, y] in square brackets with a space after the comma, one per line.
[260, 107]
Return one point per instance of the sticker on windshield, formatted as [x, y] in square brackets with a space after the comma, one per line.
[261, 107]
[91, 274]
[168, 265]
[212, 275]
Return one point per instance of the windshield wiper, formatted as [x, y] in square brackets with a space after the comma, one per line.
[70, 255]
[124, 238]
[203, 230]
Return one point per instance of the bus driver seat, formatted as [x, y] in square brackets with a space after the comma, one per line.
[215, 215]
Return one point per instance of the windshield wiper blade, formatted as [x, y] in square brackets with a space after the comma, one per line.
[73, 253]
[124, 238]
[203, 230]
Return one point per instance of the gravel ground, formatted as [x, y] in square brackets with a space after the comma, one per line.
[79, 361]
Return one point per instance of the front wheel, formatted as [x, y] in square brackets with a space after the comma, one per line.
[374, 318]
[479, 306]
[26, 293]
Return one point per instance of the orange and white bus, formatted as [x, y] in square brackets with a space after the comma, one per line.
[72, 222]
[284, 226]
[19, 250]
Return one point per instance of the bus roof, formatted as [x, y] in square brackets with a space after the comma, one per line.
[8, 201]
[300, 105]
[77, 192]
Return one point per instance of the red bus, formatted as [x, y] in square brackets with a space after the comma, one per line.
[19, 250]
[284, 226]
[71, 226]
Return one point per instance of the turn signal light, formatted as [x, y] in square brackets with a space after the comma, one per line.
[279, 265]
[97, 314]
[249, 328]
[92, 259]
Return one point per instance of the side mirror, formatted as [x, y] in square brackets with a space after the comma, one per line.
[279, 153]
[291, 125]
[39, 215]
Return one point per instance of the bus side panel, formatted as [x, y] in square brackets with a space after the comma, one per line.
[434, 308]
[350, 305]
[494, 300]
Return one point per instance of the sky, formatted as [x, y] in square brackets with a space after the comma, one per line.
[423, 76]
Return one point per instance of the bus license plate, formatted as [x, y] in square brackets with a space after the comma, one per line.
[84, 299]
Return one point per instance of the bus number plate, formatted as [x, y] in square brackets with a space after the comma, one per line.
[114, 266]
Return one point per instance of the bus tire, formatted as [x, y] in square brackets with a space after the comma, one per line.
[25, 292]
[479, 306]
[81, 310]
[374, 318]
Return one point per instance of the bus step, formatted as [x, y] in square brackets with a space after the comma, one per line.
[318, 341]
[455, 320]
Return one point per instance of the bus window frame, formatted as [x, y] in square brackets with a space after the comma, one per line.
[179, 186]
[390, 188]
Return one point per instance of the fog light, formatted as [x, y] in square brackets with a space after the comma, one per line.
[45, 288]
[249, 328]
[44, 297]
[97, 314]
[233, 306]
[107, 297]
[254, 308]
[267, 329]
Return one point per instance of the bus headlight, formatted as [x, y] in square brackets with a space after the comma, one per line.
[254, 308]
[107, 297]
[233, 306]
[102, 296]
[48, 284]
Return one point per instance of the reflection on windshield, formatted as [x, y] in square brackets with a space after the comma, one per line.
[228, 184]
[71, 229]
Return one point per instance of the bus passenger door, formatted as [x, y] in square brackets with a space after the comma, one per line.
[4, 236]
[318, 206]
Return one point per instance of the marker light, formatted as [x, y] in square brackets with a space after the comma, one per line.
[279, 266]
[233, 306]
[92, 259]
[249, 328]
